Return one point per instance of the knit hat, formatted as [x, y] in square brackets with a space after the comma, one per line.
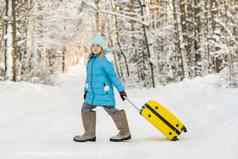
[99, 40]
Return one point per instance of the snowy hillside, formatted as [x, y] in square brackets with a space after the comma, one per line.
[39, 121]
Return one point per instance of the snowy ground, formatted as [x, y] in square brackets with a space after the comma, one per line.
[38, 121]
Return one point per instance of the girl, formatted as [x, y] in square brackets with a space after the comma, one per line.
[98, 91]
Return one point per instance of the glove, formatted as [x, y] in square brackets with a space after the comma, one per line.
[123, 95]
[84, 95]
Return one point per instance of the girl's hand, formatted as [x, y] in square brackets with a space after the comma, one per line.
[123, 95]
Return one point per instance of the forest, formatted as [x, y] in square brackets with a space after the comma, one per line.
[153, 42]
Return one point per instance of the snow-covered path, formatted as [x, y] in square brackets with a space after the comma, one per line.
[38, 121]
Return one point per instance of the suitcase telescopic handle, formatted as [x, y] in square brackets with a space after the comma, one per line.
[129, 101]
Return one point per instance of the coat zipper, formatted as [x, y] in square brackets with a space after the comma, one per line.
[92, 80]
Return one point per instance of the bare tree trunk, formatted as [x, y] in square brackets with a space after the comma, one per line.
[14, 52]
[119, 45]
[117, 39]
[148, 44]
[10, 53]
[98, 28]
[63, 59]
[179, 40]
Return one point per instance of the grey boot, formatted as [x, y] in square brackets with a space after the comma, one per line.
[89, 124]
[120, 120]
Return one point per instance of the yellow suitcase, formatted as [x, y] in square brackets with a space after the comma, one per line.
[161, 118]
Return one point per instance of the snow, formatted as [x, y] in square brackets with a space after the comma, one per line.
[39, 121]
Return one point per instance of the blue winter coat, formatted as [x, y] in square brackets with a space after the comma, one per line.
[100, 80]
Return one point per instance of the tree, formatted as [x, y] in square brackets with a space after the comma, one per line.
[10, 40]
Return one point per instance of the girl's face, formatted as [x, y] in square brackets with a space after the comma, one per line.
[96, 49]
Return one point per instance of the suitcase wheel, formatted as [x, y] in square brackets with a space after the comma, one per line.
[175, 139]
[184, 129]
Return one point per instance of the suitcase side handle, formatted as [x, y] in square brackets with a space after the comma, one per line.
[132, 104]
